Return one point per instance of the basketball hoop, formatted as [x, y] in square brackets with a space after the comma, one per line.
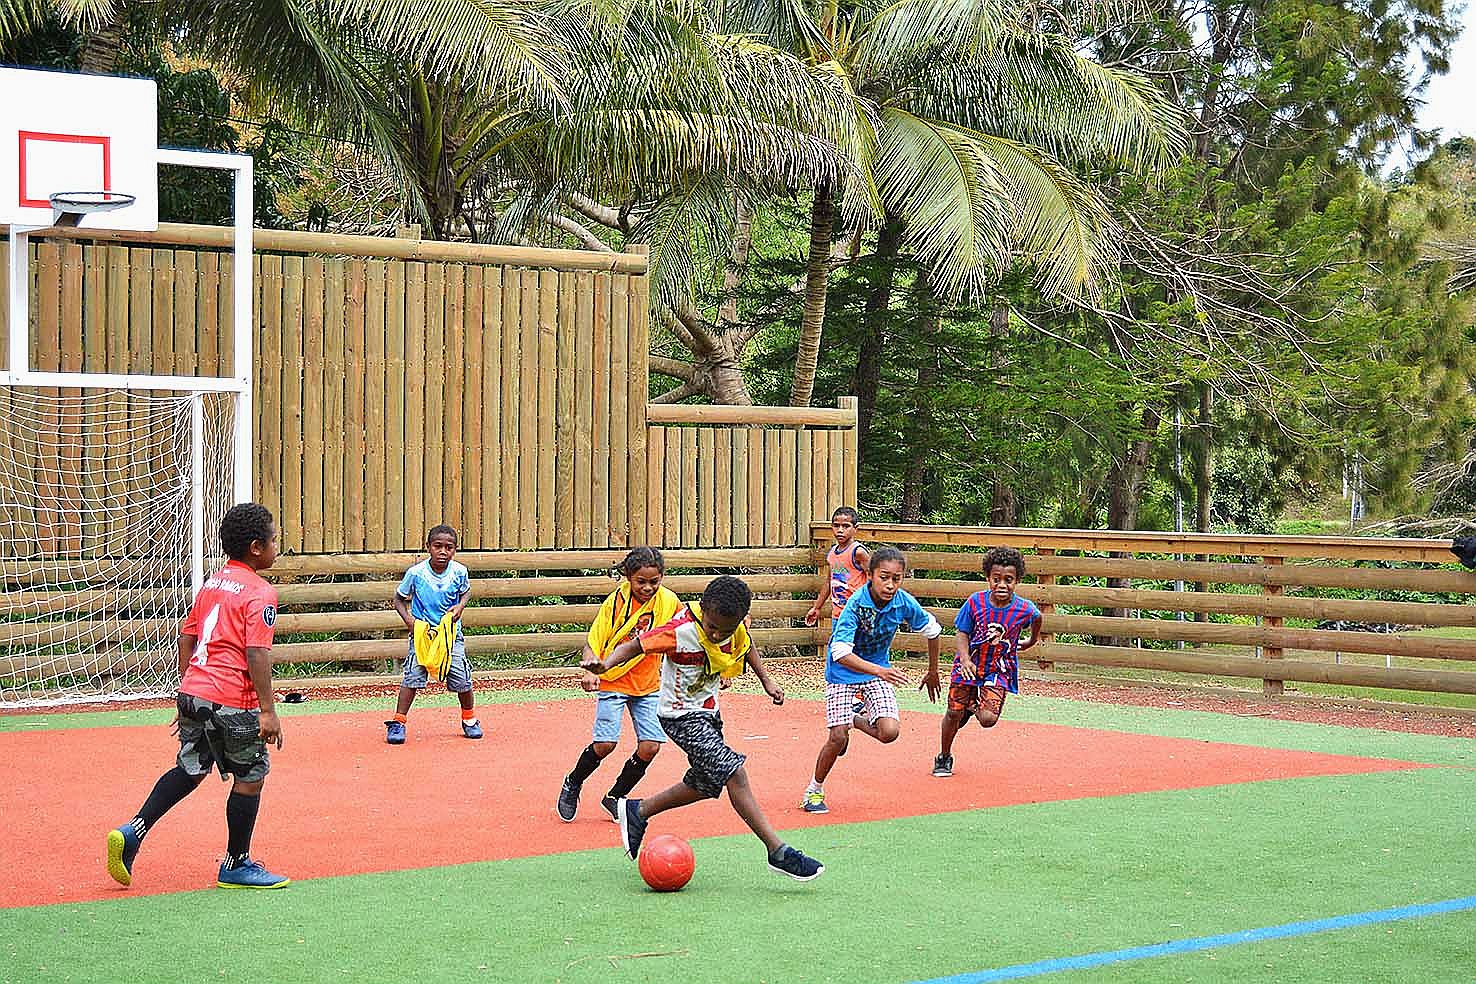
[68, 207]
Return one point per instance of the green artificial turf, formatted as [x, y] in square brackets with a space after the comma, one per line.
[902, 900]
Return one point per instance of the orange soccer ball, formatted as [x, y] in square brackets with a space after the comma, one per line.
[666, 862]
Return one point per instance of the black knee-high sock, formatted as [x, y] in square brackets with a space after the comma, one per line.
[635, 768]
[588, 762]
[172, 787]
[240, 822]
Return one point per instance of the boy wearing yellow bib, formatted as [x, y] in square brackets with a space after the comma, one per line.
[637, 606]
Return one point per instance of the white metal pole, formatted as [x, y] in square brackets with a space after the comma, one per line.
[20, 301]
[244, 323]
[197, 493]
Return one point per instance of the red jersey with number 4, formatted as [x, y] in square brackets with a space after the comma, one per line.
[235, 610]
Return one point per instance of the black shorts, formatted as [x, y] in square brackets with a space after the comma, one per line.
[711, 763]
[228, 738]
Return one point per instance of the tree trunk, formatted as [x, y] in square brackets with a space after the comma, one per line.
[874, 326]
[724, 382]
[1004, 504]
[1126, 479]
[1204, 481]
[917, 434]
[737, 264]
[1004, 507]
[100, 48]
[817, 284]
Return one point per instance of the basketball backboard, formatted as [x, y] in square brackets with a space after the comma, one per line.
[64, 133]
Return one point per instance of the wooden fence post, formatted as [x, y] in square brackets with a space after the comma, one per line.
[1047, 609]
[1271, 688]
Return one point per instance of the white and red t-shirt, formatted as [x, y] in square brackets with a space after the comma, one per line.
[235, 610]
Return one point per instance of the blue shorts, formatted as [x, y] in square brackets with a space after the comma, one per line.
[642, 713]
[458, 674]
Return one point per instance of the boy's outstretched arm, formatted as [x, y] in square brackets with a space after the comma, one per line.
[775, 692]
[629, 649]
[259, 665]
[930, 679]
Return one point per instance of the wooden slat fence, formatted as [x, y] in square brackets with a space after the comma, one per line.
[1253, 586]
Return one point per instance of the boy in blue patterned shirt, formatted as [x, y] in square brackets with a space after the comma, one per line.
[859, 665]
[429, 591]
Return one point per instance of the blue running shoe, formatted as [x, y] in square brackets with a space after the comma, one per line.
[122, 849]
[632, 825]
[249, 874]
[395, 733]
[800, 867]
[471, 729]
[815, 802]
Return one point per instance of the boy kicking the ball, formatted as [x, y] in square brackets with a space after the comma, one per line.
[700, 647]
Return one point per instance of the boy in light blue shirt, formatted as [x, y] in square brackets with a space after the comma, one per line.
[859, 665]
[429, 591]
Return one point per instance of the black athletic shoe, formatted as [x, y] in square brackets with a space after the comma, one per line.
[632, 825]
[942, 765]
[608, 802]
[568, 801]
[800, 867]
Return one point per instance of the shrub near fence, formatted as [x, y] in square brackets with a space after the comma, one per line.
[1063, 565]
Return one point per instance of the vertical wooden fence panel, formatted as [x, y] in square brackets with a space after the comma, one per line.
[376, 381]
[352, 456]
[638, 383]
[548, 406]
[619, 416]
[451, 460]
[473, 451]
[290, 522]
[527, 413]
[566, 447]
[431, 375]
[584, 286]
[395, 327]
[331, 424]
[512, 354]
[600, 465]
[412, 452]
[492, 490]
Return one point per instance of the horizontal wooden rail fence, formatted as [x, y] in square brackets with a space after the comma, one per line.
[1284, 570]
[550, 592]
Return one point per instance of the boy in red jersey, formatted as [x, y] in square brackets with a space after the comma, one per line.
[226, 713]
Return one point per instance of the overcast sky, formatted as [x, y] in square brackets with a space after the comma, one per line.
[1450, 101]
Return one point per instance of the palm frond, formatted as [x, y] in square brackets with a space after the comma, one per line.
[688, 228]
[976, 204]
[1037, 89]
[905, 32]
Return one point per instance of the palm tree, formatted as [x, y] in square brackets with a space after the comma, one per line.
[978, 119]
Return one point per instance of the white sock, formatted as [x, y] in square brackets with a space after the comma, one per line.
[815, 786]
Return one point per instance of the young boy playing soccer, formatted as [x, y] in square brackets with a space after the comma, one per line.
[435, 592]
[859, 665]
[849, 562]
[700, 647]
[226, 715]
[637, 606]
[986, 664]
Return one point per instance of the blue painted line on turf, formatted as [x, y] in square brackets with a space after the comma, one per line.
[1199, 943]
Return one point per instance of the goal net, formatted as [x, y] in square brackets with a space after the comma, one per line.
[110, 510]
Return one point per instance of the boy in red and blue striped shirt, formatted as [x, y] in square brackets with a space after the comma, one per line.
[988, 647]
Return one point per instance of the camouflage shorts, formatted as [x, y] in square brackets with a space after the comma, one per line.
[228, 738]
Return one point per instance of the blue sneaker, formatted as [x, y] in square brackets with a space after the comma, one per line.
[122, 849]
[249, 874]
[800, 867]
[632, 825]
[814, 802]
[471, 729]
[395, 735]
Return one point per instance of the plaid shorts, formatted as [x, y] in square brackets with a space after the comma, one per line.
[228, 738]
[879, 697]
[711, 763]
[965, 698]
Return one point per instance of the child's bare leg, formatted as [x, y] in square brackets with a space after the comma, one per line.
[669, 799]
[740, 794]
[466, 700]
[952, 722]
[834, 748]
[407, 697]
[884, 729]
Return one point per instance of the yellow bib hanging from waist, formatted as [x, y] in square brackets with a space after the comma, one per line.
[433, 646]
